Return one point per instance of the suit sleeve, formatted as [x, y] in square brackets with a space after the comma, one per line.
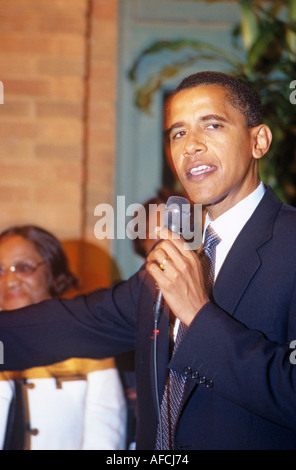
[99, 325]
[241, 365]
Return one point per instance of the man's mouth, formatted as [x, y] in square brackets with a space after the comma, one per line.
[200, 169]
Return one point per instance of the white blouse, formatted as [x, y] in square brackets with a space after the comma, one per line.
[71, 412]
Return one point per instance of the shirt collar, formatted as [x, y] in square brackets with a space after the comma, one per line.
[229, 224]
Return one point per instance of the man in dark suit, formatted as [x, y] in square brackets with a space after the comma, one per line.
[235, 359]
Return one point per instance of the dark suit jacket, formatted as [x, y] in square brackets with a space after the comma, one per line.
[241, 390]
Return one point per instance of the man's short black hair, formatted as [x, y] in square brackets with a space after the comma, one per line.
[240, 94]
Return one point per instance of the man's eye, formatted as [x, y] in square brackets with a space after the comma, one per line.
[214, 126]
[178, 135]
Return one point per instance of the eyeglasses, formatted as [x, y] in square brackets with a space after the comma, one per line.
[21, 269]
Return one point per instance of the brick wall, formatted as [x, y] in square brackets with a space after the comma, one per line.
[57, 124]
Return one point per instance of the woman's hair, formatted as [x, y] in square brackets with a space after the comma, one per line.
[48, 246]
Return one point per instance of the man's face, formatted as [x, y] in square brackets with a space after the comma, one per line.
[211, 148]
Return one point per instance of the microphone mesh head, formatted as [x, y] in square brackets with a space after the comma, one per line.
[177, 215]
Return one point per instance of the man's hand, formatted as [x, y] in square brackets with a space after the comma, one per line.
[178, 273]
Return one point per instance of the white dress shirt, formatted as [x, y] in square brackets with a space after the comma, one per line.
[228, 225]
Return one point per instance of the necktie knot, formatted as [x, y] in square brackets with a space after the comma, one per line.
[211, 241]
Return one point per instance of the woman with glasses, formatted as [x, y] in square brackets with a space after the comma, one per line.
[76, 404]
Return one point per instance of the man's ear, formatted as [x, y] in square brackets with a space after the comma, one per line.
[262, 138]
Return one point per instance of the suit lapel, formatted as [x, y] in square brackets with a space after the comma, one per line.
[236, 273]
[243, 260]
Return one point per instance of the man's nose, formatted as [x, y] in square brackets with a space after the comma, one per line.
[194, 145]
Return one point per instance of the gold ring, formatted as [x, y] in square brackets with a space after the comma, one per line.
[163, 263]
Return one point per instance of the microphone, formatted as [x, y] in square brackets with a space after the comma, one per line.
[177, 219]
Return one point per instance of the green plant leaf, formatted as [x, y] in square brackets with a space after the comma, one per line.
[178, 45]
